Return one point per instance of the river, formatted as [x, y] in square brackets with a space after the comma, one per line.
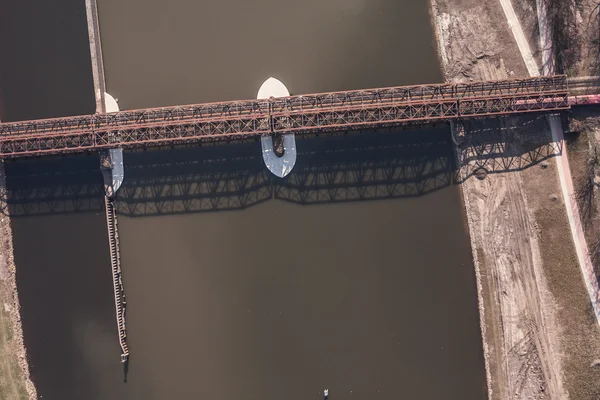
[353, 274]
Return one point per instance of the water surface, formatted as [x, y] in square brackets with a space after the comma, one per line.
[354, 273]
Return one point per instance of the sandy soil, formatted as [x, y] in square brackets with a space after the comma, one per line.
[474, 41]
[15, 382]
[530, 287]
[516, 306]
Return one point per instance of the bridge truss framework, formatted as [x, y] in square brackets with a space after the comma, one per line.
[315, 113]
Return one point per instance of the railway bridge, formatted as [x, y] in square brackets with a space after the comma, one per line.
[303, 114]
[110, 133]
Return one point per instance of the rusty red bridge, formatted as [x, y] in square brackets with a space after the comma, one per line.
[314, 113]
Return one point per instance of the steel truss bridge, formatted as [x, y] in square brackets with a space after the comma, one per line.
[314, 113]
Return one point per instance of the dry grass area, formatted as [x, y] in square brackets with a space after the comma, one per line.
[579, 334]
[14, 372]
[584, 155]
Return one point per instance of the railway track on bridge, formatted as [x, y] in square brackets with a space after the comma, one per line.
[589, 84]
[314, 113]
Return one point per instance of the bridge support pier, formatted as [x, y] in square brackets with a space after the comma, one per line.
[279, 151]
[111, 165]
[457, 130]
[279, 165]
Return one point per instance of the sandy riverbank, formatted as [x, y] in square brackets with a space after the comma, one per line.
[15, 382]
[539, 338]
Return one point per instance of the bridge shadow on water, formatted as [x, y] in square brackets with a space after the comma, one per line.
[75, 285]
[353, 167]
[330, 169]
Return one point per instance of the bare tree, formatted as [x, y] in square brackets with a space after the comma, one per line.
[593, 26]
[561, 18]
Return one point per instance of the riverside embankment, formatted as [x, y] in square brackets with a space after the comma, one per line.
[540, 336]
[42, 74]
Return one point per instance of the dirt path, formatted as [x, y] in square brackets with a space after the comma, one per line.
[516, 304]
[517, 31]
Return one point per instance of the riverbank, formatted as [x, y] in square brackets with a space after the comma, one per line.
[41, 50]
[539, 337]
[15, 382]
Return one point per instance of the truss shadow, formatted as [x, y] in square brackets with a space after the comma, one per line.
[53, 185]
[358, 168]
[193, 179]
[505, 145]
[330, 169]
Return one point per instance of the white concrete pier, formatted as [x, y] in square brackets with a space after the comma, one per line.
[111, 160]
[110, 103]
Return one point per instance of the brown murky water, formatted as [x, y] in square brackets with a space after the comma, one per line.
[354, 273]
[44, 70]
[198, 51]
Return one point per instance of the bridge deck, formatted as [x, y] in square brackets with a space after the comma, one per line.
[374, 108]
